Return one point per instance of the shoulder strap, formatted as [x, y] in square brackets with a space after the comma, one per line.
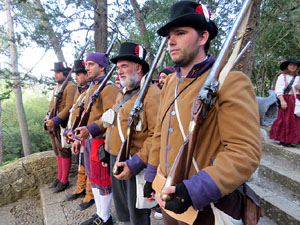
[288, 88]
[126, 99]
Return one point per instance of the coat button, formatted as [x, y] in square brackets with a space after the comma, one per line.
[167, 165]
[168, 147]
[173, 113]
[181, 80]
[171, 130]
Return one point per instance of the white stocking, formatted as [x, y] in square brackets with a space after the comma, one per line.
[103, 203]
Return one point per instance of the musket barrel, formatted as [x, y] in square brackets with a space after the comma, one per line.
[226, 47]
[149, 76]
[111, 45]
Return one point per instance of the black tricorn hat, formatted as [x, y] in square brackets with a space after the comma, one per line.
[79, 66]
[132, 52]
[61, 67]
[190, 14]
[285, 64]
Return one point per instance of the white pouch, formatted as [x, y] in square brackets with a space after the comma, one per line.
[297, 104]
[222, 218]
[64, 144]
[141, 202]
[108, 118]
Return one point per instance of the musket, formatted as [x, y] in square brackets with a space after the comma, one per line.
[58, 95]
[78, 117]
[203, 102]
[85, 116]
[81, 109]
[134, 115]
[248, 45]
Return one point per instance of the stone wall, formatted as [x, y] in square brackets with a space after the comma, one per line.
[22, 178]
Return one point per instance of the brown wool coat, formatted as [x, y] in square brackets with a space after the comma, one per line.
[66, 102]
[230, 135]
[141, 142]
[105, 101]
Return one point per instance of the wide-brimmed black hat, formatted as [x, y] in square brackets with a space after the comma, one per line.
[285, 64]
[190, 14]
[132, 52]
[61, 67]
[79, 66]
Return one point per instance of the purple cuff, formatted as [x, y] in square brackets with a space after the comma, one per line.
[202, 189]
[135, 164]
[66, 131]
[150, 173]
[94, 129]
[76, 139]
[57, 120]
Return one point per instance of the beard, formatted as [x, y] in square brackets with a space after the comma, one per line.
[130, 80]
[186, 58]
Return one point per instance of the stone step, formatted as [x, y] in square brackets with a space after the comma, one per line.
[279, 203]
[281, 171]
[58, 211]
[291, 154]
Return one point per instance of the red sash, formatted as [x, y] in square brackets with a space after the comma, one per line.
[99, 174]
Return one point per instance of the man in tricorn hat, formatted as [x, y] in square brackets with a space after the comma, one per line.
[83, 186]
[228, 146]
[92, 136]
[131, 66]
[53, 125]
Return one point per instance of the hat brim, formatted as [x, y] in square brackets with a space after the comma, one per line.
[67, 70]
[190, 20]
[132, 58]
[285, 64]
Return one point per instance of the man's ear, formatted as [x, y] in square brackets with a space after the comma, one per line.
[139, 68]
[102, 68]
[204, 37]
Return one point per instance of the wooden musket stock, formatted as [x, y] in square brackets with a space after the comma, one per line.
[203, 102]
[134, 114]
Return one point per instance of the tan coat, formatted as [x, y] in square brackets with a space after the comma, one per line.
[141, 142]
[77, 100]
[104, 102]
[229, 146]
[66, 102]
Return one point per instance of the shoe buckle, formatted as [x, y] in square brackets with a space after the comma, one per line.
[98, 221]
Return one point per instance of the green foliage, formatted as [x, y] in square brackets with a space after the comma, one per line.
[278, 39]
[35, 108]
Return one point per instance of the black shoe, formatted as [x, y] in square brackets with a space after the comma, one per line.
[60, 187]
[54, 184]
[90, 220]
[85, 205]
[99, 221]
[70, 197]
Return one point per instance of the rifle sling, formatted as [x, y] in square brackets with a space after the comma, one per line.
[126, 99]
[176, 98]
[123, 101]
[288, 88]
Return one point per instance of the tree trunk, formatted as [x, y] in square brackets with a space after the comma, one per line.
[100, 25]
[246, 62]
[17, 89]
[55, 42]
[1, 137]
[141, 25]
